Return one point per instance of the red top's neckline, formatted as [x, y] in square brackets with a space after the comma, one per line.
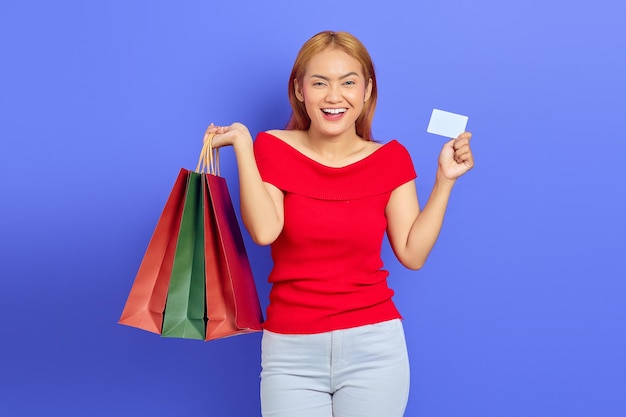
[308, 158]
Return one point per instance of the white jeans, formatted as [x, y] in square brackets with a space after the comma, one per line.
[358, 372]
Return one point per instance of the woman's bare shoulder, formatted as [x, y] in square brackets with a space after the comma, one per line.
[291, 137]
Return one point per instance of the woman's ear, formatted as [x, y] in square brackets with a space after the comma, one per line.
[297, 88]
[368, 91]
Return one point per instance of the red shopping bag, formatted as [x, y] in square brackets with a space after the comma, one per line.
[237, 309]
[231, 301]
[146, 301]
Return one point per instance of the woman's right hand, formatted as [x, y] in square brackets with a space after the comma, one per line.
[261, 204]
[233, 135]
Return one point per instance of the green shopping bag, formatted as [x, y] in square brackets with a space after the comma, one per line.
[185, 315]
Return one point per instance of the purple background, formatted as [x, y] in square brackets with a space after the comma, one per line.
[520, 310]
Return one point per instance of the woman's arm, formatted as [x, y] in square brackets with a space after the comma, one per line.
[261, 203]
[413, 233]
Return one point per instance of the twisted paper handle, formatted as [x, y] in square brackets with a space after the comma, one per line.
[209, 161]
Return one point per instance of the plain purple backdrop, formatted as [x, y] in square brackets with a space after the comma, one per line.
[520, 310]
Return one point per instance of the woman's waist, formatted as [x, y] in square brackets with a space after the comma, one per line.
[309, 319]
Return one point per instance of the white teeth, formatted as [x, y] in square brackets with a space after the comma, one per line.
[334, 111]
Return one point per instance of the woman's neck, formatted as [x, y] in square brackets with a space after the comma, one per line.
[334, 149]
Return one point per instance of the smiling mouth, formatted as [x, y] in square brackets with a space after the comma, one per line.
[334, 111]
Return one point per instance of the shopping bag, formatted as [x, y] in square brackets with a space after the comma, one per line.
[232, 301]
[220, 318]
[184, 314]
[236, 280]
[146, 300]
[195, 279]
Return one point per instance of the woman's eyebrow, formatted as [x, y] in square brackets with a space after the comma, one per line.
[323, 77]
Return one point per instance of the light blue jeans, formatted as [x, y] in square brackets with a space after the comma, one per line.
[358, 372]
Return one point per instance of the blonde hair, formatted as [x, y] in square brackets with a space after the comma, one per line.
[349, 44]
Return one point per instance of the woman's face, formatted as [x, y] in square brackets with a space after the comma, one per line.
[333, 91]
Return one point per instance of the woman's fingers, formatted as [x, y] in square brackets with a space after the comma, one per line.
[462, 150]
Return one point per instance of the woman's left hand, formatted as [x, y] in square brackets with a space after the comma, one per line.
[456, 157]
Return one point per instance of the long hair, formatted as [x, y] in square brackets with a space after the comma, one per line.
[352, 46]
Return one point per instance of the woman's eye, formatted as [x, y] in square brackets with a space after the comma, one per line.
[350, 83]
[318, 84]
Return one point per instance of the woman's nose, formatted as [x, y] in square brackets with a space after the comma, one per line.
[333, 95]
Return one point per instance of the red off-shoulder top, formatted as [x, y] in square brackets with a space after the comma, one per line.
[328, 273]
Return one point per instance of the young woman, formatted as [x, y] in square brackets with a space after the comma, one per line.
[323, 193]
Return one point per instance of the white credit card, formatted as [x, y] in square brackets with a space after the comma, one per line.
[447, 124]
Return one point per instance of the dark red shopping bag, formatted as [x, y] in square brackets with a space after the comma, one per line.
[232, 301]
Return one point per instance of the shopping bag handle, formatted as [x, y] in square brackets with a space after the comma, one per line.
[209, 161]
